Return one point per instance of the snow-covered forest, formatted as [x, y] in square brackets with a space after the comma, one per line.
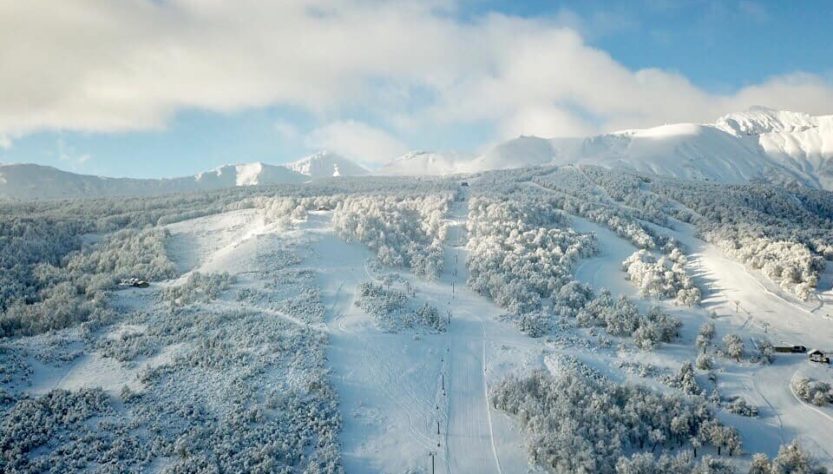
[406, 232]
[561, 319]
[580, 422]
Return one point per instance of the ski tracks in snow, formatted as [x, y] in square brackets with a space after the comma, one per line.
[488, 407]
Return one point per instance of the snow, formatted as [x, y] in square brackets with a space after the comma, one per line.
[758, 144]
[666, 131]
[33, 182]
[762, 120]
[391, 385]
[396, 389]
[764, 310]
[94, 370]
[605, 269]
[248, 174]
[419, 163]
[518, 153]
[325, 165]
[205, 244]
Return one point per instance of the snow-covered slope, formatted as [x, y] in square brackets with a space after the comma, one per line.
[418, 163]
[798, 140]
[760, 144]
[29, 182]
[681, 150]
[325, 164]
[518, 153]
[248, 174]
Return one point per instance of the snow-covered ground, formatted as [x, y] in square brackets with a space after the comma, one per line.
[410, 395]
[417, 397]
[747, 304]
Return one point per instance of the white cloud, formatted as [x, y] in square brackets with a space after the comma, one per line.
[68, 153]
[5, 142]
[544, 121]
[287, 130]
[357, 141]
[98, 65]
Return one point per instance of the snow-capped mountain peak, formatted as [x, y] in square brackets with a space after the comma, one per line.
[417, 163]
[325, 164]
[248, 174]
[762, 120]
[759, 144]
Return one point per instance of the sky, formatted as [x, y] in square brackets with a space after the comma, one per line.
[160, 88]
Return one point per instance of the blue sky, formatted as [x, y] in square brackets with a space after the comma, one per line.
[186, 87]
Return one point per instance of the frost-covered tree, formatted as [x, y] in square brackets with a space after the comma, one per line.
[705, 336]
[734, 346]
[522, 253]
[73, 290]
[620, 317]
[198, 287]
[662, 278]
[791, 458]
[403, 231]
[812, 391]
[765, 351]
[739, 406]
[579, 421]
[704, 361]
[393, 310]
[685, 380]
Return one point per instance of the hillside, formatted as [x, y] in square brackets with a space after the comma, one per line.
[33, 182]
[418, 163]
[381, 324]
[760, 144]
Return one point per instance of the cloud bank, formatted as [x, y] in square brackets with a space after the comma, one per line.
[104, 66]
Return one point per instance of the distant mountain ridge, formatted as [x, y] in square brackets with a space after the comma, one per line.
[760, 144]
[26, 182]
[32, 182]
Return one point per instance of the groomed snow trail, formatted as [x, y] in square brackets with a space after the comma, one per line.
[471, 443]
[395, 389]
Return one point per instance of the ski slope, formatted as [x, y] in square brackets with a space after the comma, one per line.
[746, 304]
[749, 304]
[397, 389]
[412, 399]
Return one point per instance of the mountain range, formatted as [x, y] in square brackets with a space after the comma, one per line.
[31, 182]
[757, 145]
[760, 144]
